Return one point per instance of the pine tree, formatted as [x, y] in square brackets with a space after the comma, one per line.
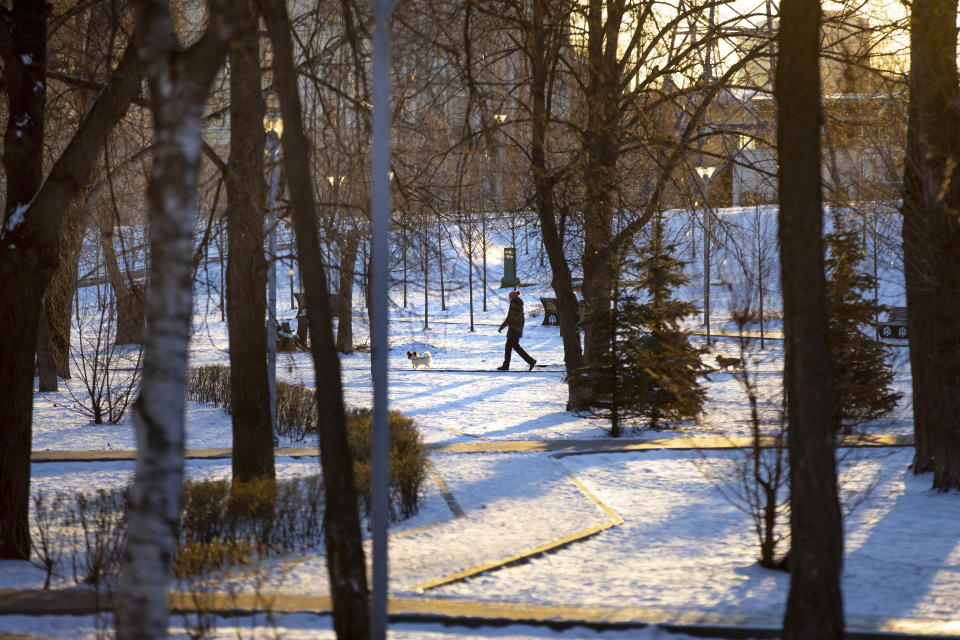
[862, 376]
[651, 370]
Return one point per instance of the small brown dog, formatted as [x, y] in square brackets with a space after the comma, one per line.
[725, 363]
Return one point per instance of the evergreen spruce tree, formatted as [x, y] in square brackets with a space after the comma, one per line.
[862, 376]
[651, 370]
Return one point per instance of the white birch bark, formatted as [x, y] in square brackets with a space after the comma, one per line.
[179, 82]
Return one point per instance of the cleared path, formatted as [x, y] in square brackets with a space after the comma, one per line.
[701, 623]
[439, 553]
[571, 447]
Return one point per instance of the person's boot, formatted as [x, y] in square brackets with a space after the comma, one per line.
[532, 365]
[503, 368]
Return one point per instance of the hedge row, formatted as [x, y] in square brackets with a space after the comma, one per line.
[297, 418]
[82, 536]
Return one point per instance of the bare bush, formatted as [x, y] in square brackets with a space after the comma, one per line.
[108, 373]
[754, 478]
[210, 384]
[297, 419]
[99, 533]
[47, 538]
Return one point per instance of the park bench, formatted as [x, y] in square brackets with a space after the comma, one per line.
[303, 328]
[551, 311]
[895, 326]
[286, 339]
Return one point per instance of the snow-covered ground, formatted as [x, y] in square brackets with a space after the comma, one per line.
[666, 537]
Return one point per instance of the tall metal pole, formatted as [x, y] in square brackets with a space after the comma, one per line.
[706, 268]
[273, 146]
[380, 209]
[705, 173]
[483, 247]
[760, 272]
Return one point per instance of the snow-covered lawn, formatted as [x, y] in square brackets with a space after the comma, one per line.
[664, 539]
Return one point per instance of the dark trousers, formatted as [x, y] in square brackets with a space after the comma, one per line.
[513, 344]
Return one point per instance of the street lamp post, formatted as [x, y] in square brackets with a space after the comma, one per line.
[335, 183]
[292, 301]
[380, 214]
[483, 249]
[500, 117]
[273, 148]
[705, 173]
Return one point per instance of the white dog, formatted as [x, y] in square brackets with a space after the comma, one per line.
[419, 359]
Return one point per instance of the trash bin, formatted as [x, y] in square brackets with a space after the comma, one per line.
[510, 278]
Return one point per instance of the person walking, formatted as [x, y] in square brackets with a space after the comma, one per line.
[514, 324]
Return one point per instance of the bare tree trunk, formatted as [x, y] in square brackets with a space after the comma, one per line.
[58, 301]
[46, 365]
[543, 43]
[443, 297]
[348, 261]
[23, 44]
[931, 240]
[247, 266]
[425, 247]
[545, 33]
[129, 296]
[345, 555]
[30, 235]
[179, 82]
[814, 604]
[600, 155]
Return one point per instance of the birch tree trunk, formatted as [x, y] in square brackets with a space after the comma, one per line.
[341, 520]
[179, 82]
[814, 603]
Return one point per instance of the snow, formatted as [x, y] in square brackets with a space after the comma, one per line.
[304, 626]
[680, 546]
[16, 218]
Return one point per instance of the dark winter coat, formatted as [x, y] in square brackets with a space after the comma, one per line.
[514, 318]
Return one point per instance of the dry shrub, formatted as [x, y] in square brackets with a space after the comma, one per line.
[210, 384]
[87, 531]
[224, 525]
[98, 522]
[297, 418]
[408, 460]
[296, 411]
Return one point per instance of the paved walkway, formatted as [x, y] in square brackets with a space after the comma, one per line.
[571, 447]
[438, 553]
[461, 613]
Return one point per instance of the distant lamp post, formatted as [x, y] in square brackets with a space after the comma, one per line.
[335, 182]
[274, 128]
[292, 301]
[500, 117]
[705, 173]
